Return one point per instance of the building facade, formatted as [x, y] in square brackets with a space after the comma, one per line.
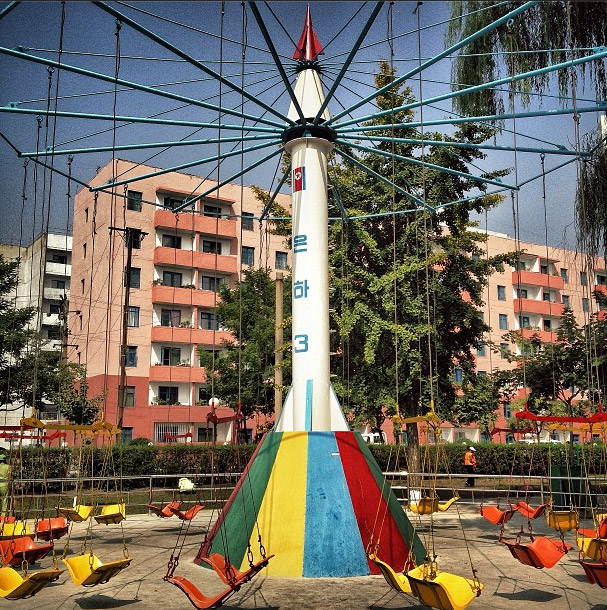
[177, 269]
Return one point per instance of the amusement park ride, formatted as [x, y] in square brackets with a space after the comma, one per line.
[312, 494]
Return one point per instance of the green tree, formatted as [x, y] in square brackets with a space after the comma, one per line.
[71, 394]
[418, 277]
[245, 371]
[565, 377]
[478, 402]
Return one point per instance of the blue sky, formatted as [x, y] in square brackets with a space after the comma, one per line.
[88, 30]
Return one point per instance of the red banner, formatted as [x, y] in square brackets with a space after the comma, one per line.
[299, 179]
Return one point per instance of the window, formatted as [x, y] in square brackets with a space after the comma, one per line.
[481, 350]
[86, 215]
[458, 375]
[54, 308]
[504, 350]
[59, 258]
[136, 238]
[523, 293]
[133, 316]
[212, 283]
[525, 322]
[481, 373]
[601, 280]
[135, 277]
[585, 305]
[82, 284]
[131, 355]
[170, 317]
[281, 260]
[546, 296]
[565, 299]
[127, 434]
[248, 256]
[521, 266]
[133, 201]
[544, 269]
[80, 321]
[564, 274]
[168, 395]
[204, 394]
[206, 435]
[501, 293]
[129, 396]
[171, 278]
[476, 257]
[58, 284]
[247, 221]
[171, 241]
[211, 247]
[172, 202]
[208, 321]
[53, 333]
[170, 356]
[503, 320]
[583, 278]
[83, 250]
[507, 410]
[212, 210]
[547, 325]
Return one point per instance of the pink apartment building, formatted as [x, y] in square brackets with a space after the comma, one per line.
[177, 269]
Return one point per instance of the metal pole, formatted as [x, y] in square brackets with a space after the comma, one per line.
[278, 340]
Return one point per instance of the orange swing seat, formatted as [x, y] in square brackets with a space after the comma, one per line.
[52, 528]
[165, 512]
[16, 551]
[231, 575]
[189, 514]
[528, 511]
[197, 599]
[541, 553]
[496, 516]
[596, 572]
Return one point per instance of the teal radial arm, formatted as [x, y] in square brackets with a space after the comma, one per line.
[276, 191]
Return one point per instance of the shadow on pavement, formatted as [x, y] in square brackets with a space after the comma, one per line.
[95, 602]
[534, 595]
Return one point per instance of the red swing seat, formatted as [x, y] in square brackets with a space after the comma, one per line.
[528, 511]
[165, 512]
[17, 550]
[496, 516]
[189, 514]
[52, 528]
[599, 532]
[540, 553]
[231, 575]
[198, 600]
[596, 572]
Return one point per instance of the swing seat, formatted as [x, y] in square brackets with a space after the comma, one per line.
[599, 532]
[78, 513]
[165, 512]
[52, 528]
[198, 600]
[15, 586]
[111, 513]
[398, 581]
[231, 575]
[541, 553]
[447, 505]
[189, 514]
[8, 531]
[528, 511]
[7, 519]
[562, 520]
[496, 516]
[445, 591]
[592, 548]
[89, 570]
[596, 573]
[424, 506]
[16, 551]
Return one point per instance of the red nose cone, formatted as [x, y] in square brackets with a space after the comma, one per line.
[308, 47]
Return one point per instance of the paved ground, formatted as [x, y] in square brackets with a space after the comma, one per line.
[508, 584]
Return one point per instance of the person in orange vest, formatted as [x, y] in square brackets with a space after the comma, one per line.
[470, 465]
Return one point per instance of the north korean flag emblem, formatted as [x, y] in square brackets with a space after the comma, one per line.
[299, 179]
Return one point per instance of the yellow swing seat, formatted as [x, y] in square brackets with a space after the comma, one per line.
[8, 531]
[445, 591]
[562, 520]
[447, 505]
[78, 513]
[424, 506]
[89, 570]
[396, 580]
[15, 586]
[111, 513]
[592, 548]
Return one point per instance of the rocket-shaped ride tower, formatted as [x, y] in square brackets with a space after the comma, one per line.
[312, 492]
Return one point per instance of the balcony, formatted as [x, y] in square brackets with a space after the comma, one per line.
[58, 269]
[184, 296]
[201, 260]
[544, 336]
[177, 374]
[221, 227]
[544, 308]
[199, 336]
[533, 278]
[54, 294]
